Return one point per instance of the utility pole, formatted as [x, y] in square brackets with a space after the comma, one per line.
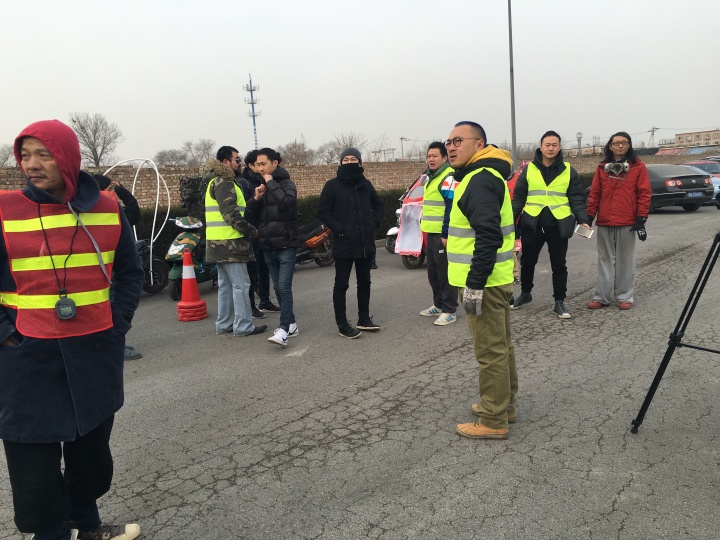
[652, 137]
[252, 102]
[402, 150]
[512, 88]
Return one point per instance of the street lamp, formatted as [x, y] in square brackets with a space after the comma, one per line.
[579, 139]
[402, 151]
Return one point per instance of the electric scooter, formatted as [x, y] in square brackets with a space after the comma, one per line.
[193, 238]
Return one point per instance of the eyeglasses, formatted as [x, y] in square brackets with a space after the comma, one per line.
[238, 160]
[621, 143]
[457, 140]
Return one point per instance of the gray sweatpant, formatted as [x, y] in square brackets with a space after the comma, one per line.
[616, 264]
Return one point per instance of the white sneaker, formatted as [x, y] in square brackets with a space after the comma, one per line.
[445, 319]
[430, 312]
[293, 331]
[279, 337]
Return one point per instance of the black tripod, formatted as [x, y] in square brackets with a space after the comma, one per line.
[677, 335]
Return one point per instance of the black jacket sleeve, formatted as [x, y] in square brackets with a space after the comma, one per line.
[576, 198]
[481, 204]
[132, 208]
[520, 195]
[128, 277]
[378, 208]
[326, 207]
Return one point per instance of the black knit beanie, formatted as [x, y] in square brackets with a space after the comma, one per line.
[351, 152]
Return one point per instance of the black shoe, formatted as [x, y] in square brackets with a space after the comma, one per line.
[258, 330]
[268, 307]
[524, 298]
[367, 324]
[257, 314]
[373, 266]
[132, 354]
[560, 310]
[348, 331]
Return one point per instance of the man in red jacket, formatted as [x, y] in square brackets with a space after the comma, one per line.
[619, 201]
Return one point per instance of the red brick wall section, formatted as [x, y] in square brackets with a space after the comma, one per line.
[309, 180]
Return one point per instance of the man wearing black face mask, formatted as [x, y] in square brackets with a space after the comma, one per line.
[351, 208]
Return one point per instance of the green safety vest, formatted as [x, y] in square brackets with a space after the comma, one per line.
[461, 239]
[553, 195]
[216, 226]
[433, 210]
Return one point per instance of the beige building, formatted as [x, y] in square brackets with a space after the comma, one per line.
[698, 138]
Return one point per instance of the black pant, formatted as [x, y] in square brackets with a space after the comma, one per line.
[343, 267]
[445, 296]
[44, 497]
[532, 243]
[259, 276]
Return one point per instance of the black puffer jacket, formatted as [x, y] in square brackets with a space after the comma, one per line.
[276, 213]
[351, 208]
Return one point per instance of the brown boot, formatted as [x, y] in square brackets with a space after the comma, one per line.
[512, 415]
[475, 430]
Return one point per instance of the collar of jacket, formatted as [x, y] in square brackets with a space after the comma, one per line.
[442, 167]
[490, 156]
[86, 195]
[280, 174]
[215, 168]
[557, 164]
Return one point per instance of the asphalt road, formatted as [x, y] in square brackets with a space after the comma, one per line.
[330, 438]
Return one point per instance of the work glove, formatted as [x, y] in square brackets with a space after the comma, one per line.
[472, 301]
[639, 228]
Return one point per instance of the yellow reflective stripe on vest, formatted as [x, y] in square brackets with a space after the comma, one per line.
[75, 260]
[461, 240]
[56, 222]
[47, 301]
[433, 209]
[216, 226]
[553, 195]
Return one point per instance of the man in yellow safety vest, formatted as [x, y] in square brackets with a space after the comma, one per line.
[481, 238]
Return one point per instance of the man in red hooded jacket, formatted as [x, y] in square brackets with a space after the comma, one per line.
[62, 336]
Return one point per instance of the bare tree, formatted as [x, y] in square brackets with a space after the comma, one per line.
[98, 137]
[171, 157]
[198, 153]
[7, 156]
[297, 153]
[330, 151]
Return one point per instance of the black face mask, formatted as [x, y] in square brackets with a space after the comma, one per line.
[350, 170]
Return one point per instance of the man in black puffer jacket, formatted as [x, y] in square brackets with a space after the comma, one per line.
[274, 209]
[351, 208]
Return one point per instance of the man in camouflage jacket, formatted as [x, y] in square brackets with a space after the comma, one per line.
[230, 250]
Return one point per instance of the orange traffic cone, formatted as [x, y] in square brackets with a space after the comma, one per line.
[191, 307]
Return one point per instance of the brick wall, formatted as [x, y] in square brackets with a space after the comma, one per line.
[309, 180]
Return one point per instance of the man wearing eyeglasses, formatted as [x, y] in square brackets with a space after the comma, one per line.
[481, 238]
[228, 237]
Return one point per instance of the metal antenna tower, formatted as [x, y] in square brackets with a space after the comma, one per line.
[252, 102]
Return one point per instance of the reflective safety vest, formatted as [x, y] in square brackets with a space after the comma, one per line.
[216, 226]
[461, 239]
[433, 210]
[75, 261]
[552, 195]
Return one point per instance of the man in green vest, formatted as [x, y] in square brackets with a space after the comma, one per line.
[548, 199]
[228, 244]
[435, 216]
[481, 237]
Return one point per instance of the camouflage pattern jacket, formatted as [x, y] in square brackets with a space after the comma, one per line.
[223, 191]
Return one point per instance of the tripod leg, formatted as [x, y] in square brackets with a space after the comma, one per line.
[656, 382]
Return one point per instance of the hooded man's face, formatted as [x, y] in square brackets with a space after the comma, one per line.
[40, 167]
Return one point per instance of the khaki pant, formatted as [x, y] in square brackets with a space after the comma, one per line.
[495, 355]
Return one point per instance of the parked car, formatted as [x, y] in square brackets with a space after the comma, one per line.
[708, 168]
[675, 185]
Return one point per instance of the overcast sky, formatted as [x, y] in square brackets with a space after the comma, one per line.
[171, 71]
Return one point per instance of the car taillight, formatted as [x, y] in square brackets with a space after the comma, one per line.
[707, 181]
[673, 183]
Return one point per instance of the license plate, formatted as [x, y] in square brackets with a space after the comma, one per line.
[695, 194]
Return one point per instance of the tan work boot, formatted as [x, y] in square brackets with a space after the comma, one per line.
[475, 430]
[512, 415]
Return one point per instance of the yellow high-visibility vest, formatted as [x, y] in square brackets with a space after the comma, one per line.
[216, 226]
[552, 195]
[433, 210]
[461, 239]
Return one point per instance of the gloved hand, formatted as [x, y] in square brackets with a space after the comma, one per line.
[639, 228]
[472, 301]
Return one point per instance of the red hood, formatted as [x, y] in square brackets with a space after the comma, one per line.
[62, 143]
